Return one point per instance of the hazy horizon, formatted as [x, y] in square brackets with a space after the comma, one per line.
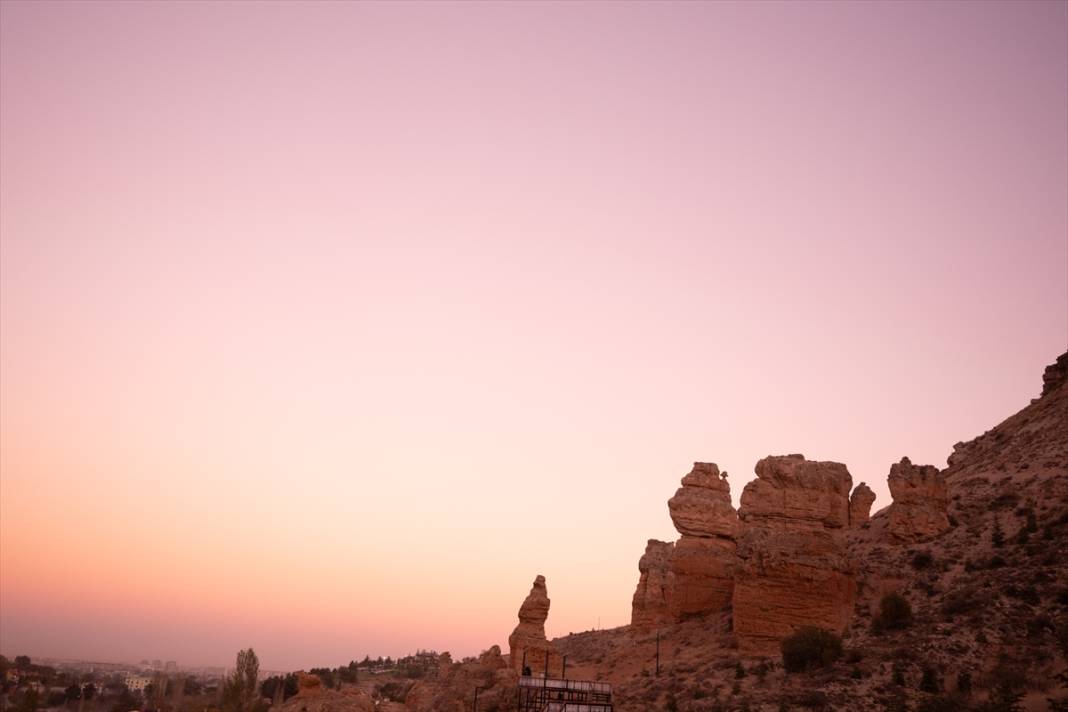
[326, 327]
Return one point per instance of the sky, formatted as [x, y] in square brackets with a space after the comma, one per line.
[325, 328]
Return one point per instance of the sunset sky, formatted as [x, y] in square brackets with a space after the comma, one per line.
[327, 327]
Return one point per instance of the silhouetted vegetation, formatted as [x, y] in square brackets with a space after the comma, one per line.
[895, 613]
[922, 560]
[997, 536]
[810, 648]
[930, 682]
[239, 688]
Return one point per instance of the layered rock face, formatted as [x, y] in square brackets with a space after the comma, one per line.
[651, 605]
[920, 500]
[793, 569]
[527, 643]
[860, 505]
[1055, 374]
[703, 560]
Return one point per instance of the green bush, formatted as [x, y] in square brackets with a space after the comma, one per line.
[810, 648]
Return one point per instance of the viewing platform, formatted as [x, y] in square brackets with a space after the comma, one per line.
[546, 694]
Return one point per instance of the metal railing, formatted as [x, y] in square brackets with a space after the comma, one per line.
[602, 688]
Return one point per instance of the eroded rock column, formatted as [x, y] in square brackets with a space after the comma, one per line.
[651, 605]
[528, 642]
[793, 569]
[921, 498]
[703, 560]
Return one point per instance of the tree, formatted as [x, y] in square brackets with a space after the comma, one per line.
[126, 701]
[22, 661]
[348, 673]
[239, 688]
[30, 700]
[89, 691]
[74, 692]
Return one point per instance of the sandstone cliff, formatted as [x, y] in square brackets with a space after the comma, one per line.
[793, 568]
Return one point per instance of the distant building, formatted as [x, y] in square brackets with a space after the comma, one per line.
[137, 683]
[170, 666]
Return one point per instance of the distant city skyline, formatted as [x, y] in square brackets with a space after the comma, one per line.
[326, 327]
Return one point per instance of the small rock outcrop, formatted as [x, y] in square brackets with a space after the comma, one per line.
[308, 685]
[527, 644]
[703, 559]
[1055, 374]
[860, 503]
[793, 569]
[651, 605]
[921, 498]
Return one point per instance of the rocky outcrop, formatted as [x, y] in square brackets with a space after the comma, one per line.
[703, 559]
[308, 685]
[860, 503]
[651, 605]
[527, 643]
[451, 688]
[702, 506]
[793, 569]
[1055, 374]
[920, 499]
[313, 696]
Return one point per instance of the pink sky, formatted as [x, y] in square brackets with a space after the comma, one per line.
[327, 327]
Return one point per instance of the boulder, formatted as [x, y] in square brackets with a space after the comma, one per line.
[702, 506]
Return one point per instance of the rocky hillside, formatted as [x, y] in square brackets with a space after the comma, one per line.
[976, 552]
[955, 597]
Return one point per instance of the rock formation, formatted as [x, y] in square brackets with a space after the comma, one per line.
[1055, 374]
[450, 689]
[920, 501]
[704, 557]
[793, 569]
[860, 505]
[527, 643]
[313, 696]
[651, 605]
[308, 685]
